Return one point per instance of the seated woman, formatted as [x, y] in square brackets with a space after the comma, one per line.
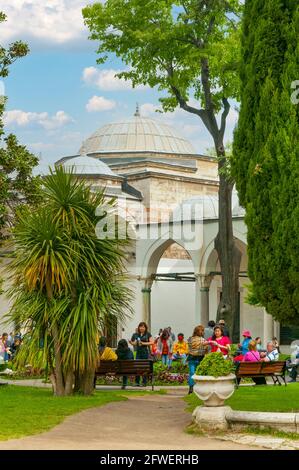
[259, 346]
[124, 353]
[243, 347]
[106, 353]
[252, 355]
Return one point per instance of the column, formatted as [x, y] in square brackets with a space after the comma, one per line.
[276, 330]
[268, 327]
[202, 308]
[146, 303]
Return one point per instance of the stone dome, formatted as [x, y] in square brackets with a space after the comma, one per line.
[84, 165]
[204, 207]
[138, 134]
[197, 208]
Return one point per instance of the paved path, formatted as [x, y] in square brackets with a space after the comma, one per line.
[144, 422]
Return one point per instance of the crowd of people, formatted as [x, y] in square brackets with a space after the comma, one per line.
[167, 348]
[212, 338]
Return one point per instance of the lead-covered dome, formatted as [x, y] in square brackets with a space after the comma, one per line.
[84, 165]
[138, 134]
[203, 207]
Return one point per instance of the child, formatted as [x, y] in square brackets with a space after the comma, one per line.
[124, 353]
[180, 349]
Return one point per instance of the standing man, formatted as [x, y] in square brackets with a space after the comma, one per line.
[171, 334]
[225, 329]
[209, 330]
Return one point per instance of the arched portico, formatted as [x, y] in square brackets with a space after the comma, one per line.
[151, 251]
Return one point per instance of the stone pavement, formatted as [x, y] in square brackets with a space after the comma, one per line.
[142, 422]
[267, 442]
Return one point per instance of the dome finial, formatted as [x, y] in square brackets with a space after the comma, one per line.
[83, 149]
[137, 112]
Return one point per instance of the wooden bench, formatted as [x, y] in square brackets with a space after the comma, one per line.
[274, 369]
[138, 367]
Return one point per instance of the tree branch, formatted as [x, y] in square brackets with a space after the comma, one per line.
[183, 103]
[226, 109]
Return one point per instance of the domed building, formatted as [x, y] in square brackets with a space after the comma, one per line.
[169, 195]
[168, 192]
[137, 135]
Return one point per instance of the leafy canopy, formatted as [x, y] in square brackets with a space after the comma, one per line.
[265, 159]
[64, 276]
[17, 185]
[166, 44]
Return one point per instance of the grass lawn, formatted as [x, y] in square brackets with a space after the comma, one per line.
[27, 410]
[259, 398]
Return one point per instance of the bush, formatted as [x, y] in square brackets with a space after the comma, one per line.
[176, 367]
[215, 365]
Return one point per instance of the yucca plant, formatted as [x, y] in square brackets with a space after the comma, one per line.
[66, 281]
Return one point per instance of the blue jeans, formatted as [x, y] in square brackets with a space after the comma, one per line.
[144, 378]
[193, 363]
[180, 356]
[166, 360]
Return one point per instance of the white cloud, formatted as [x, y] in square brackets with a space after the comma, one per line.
[40, 146]
[51, 21]
[152, 110]
[149, 110]
[106, 79]
[232, 117]
[17, 117]
[99, 103]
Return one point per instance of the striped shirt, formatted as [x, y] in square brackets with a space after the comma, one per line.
[273, 355]
[196, 346]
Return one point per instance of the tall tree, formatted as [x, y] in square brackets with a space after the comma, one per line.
[17, 185]
[66, 282]
[188, 49]
[265, 159]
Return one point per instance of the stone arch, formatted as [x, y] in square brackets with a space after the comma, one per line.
[209, 259]
[149, 266]
[155, 251]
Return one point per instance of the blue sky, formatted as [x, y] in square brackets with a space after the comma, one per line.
[58, 95]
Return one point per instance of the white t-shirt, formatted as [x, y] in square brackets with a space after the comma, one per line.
[273, 355]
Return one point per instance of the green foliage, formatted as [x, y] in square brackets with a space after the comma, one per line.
[233, 349]
[188, 49]
[251, 298]
[66, 281]
[12, 53]
[17, 185]
[215, 365]
[30, 411]
[266, 154]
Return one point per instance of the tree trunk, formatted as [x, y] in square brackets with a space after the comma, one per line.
[77, 381]
[85, 382]
[60, 386]
[229, 258]
[53, 382]
[69, 382]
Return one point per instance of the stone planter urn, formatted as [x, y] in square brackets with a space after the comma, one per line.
[213, 391]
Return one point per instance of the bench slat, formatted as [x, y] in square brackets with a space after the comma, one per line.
[127, 367]
[262, 369]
